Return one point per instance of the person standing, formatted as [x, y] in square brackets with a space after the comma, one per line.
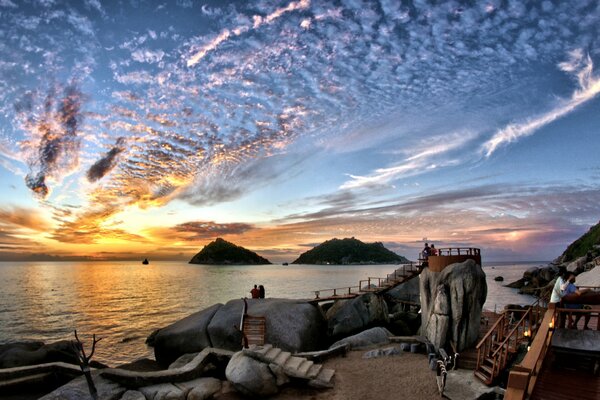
[255, 292]
[261, 292]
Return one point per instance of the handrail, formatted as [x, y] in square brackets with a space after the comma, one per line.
[514, 330]
[469, 251]
[492, 329]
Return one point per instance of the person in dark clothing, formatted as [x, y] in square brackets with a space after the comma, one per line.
[255, 292]
[261, 292]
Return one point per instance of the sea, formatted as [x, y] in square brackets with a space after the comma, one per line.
[123, 302]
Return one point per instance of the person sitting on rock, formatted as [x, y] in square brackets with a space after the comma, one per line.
[255, 292]
[261, 292]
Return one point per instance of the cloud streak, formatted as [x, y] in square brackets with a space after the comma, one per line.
[579, 65]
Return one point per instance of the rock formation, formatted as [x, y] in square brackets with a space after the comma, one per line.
[451, 304]
[222, 252]
[293, 325]
[349, 251]
[352, 316]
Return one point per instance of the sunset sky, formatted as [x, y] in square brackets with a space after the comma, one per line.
[133, 129]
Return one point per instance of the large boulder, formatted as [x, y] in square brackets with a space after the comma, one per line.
[368, 338]
[251, 377]
[188, 335]
[355, 315]
[78, 389]
[32, 353]
[451, 304]
[407, 291]
[292, 325]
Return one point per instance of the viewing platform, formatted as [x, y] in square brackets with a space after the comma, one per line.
[451, 255]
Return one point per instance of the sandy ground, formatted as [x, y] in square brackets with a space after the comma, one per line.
[403, 376]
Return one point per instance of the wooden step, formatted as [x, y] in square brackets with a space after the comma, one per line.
[323, 379]
[483, 377]
[487, 369]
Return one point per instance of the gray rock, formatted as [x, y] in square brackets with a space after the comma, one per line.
[251, 377]
[163, 391]
[201, 388]
[531, 272]
[358, 314]
[207, 359]
[133, 395]
[461, 384]
[78, 389]
[416, 347]
[408, 291]
[32, 353]
[292, 325]
[389, 351]
[370, 337]
[548, 273]
[577, 264]
[451, 304]
[183, 360]
[188, 335]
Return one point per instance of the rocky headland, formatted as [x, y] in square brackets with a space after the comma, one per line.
[222, 252]
[580, 257]
[349, 251]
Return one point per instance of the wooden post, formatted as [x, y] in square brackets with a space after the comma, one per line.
[84, 362]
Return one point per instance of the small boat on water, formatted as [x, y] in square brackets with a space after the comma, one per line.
[145, 262]
[284, 263]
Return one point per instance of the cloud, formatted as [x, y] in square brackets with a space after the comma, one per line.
[20, 217]
[106, 163]
[579, 65]
[200, 230]
[421, 158]
[258, 22]
[53, 150]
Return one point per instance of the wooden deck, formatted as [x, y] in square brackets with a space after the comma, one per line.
[558, 382]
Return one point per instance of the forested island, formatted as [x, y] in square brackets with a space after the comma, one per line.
[222, 252]
[349, 251]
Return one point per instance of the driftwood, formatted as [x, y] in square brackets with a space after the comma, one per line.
[84, 362]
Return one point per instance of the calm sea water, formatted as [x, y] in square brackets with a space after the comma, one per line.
[123, 302]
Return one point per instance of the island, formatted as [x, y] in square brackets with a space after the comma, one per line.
[222, 252]
[349, 251]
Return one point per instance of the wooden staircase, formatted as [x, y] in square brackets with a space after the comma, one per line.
[253, 328]
[496, 349]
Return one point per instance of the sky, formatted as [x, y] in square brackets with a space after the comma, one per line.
[133, 129]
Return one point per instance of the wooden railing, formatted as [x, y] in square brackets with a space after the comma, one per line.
[523, 377]
[458, 251]
[503, 338]
[371, 284]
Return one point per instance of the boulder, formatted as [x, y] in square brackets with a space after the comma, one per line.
[292, 325]
[201, 388]
[451, 303]
[78, 389]
[251, 377]
[188, 335]
[577, 264]
[163, 391]
[133, 395]
[404, 323]
[530, 273]
[358, 314]
[548, 273]
[407, 291]
[370, 337]
[32, 353]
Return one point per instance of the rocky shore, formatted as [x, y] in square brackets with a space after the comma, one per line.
[199, 356]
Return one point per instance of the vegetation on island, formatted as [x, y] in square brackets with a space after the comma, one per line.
[349, 251]
[222, 252]
[588, 243]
